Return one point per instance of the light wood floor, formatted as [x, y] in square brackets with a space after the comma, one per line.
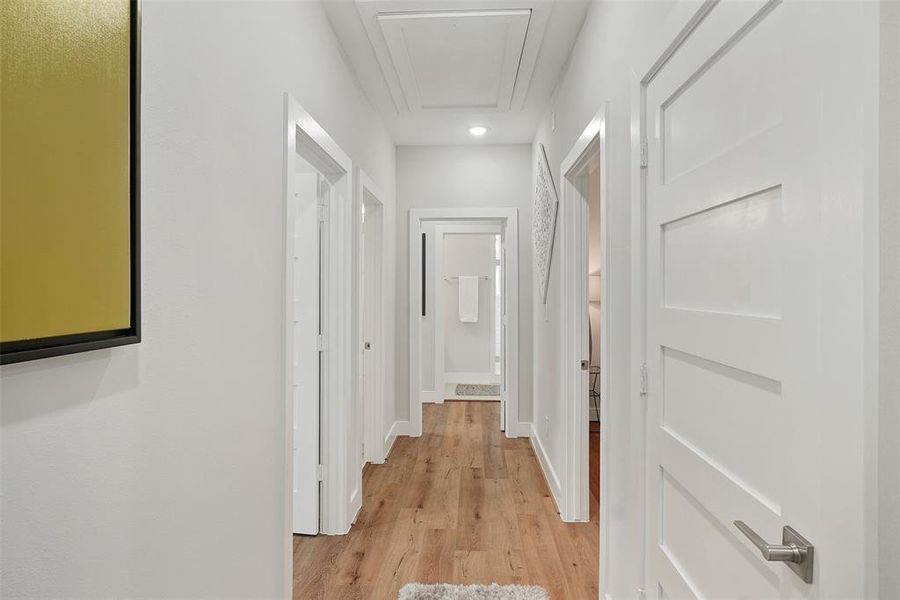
[461, 504]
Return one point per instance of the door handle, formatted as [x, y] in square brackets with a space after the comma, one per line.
[794, 549]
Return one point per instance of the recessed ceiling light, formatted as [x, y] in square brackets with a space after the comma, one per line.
[478, 130]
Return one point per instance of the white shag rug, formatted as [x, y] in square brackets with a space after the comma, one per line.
[443, 591]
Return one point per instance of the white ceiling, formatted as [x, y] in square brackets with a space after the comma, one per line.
[434, 68]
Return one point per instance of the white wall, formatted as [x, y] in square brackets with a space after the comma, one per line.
[613, 36]
[889, 304]
[479, 176]
[468, 347]
[156, 470]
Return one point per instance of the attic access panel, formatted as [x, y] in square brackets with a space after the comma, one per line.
[456, 59]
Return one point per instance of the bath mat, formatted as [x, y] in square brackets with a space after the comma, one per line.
[443, 591]
[477, 389]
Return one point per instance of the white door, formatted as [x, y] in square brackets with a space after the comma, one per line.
[501, 281]
[309, 200]
[754, 385]
[368, 303]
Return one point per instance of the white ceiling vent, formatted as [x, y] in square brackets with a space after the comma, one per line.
[456, 60]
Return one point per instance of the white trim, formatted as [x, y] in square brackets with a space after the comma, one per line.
[463, 377]
[390, 438]
[509, 217]
[338, 385]
[590, 146]
[373, 433]
[637, 334]
[546, 466]
[430, 397]
[402, 428]
[680, 21]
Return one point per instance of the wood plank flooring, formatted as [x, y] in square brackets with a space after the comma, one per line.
[461, 504]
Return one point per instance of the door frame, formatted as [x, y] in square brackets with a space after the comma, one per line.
[440, 379]
[509, 218]
[369, 193]
[339, 483]
[574, 217]
[682, 19]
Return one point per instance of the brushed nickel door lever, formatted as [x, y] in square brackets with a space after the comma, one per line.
[794, 549]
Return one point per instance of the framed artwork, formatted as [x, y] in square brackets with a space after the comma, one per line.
[70, 177]
[546, 203]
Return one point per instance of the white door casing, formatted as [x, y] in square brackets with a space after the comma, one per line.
[509, 218]
[589, 149]
[306, 142]
[753, 229]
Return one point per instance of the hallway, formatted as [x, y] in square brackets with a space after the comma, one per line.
[461, 504]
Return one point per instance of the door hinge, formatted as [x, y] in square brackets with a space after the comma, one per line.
[585, 365]
[643, 379]
[323, 213]
[320, 472]
[645, 152]
[321, 343]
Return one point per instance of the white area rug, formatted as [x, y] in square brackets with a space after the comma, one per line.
[477, 389]
[443, 591]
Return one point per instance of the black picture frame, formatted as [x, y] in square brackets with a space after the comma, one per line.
[33, 349]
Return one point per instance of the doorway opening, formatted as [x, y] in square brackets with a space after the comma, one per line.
[371, 411]
[322, 475]
[463, 327]
[467, 283]
[585, 272]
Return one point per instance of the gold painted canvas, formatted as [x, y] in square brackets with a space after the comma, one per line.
[65, 168]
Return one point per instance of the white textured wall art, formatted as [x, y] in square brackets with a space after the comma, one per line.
[544, 222]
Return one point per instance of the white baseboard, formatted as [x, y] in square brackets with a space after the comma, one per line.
[546, 468]
[517, 430]
[463, 377]
[430, 396]
[402, 428]
[391, 437]
[355, 505]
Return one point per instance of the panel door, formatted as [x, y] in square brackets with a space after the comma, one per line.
[740, 336]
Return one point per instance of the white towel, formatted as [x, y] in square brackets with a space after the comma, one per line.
[468, 299]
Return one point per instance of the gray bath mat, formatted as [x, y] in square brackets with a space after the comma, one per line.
[477, 389]
[443, 591]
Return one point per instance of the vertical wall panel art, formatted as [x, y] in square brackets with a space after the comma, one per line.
[544, 222]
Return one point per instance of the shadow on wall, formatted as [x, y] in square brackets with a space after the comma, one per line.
[65, 382]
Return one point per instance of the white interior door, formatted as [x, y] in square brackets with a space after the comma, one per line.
[501, 281]
[747, 420]
[310, 193]
[368, 304]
